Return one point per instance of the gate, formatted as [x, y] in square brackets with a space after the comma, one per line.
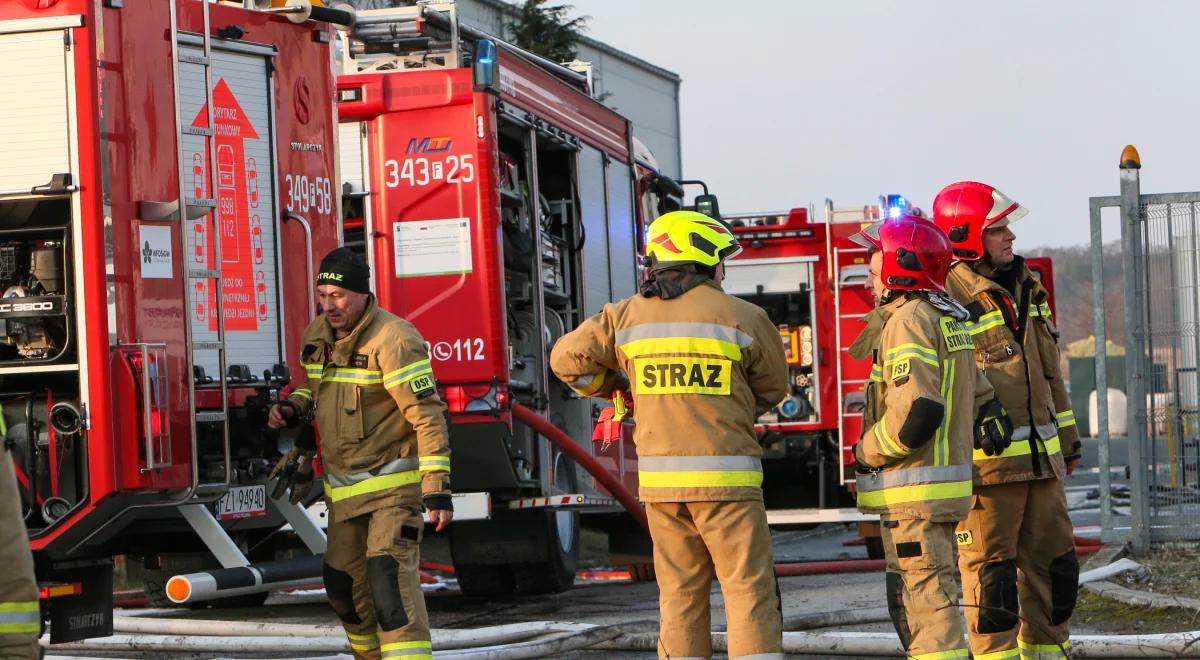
[1160, 241]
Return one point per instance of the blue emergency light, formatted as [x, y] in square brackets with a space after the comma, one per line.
[896, 205]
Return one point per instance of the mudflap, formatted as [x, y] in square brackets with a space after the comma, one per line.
[88, 614]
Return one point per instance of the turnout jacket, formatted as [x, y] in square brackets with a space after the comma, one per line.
[1016, 344]
[921, 403]
[702, 367]
[384, 440]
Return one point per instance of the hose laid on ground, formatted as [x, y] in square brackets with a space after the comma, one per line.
[1105, 572]
[625, 637]
[442, 638]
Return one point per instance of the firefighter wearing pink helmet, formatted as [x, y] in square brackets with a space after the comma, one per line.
[1016, 548]
[924, 402]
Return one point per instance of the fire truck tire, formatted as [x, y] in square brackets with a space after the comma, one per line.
[517, 552]
[557, 573]
[642, 572]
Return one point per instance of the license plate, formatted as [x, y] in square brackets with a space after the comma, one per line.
[242, 502]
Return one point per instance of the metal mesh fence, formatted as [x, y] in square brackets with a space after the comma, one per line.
[1168, 288]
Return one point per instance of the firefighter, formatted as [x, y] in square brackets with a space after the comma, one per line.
[385, 451]
[703, 365]
[925, 401]
[1016, 548]
[20, 613]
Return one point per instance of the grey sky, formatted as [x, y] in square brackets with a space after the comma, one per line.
[786, 103]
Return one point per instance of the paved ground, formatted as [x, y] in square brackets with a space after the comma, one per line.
[614, 602]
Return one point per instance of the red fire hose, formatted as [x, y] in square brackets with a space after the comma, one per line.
[572, 449]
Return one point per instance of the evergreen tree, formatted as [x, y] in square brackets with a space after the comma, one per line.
[545, 30]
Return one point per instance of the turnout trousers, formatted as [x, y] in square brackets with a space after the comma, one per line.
[695, 541]
[922, 587]
[1017, 556]
[372, 583]
[20, 614]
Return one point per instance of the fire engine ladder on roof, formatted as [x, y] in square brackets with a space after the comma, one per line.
[197, 210]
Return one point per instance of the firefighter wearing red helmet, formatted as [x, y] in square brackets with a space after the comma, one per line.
[1016, 548]
[703, 365]
[924, 402]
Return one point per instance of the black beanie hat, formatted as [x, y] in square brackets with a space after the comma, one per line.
[342, 267]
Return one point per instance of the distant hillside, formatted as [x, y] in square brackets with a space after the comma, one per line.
[1073, 291]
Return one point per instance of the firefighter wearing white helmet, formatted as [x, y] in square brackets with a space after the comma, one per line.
[924, 402]
[702, 365]
[1016, 549]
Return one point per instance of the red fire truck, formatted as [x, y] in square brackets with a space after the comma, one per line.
[498, 205]
[812, 281]
[165, 163]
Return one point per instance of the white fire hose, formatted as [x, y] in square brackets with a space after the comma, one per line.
[549, 639]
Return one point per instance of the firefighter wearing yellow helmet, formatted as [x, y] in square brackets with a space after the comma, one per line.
[702, 366]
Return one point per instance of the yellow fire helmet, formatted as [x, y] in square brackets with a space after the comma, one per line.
[687, 237]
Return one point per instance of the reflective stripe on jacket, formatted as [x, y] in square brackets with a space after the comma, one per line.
[920, 354]
[378, 413]
[702, 368]
[1024, 370]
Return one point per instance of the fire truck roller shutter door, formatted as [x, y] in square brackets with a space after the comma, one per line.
[242, 118]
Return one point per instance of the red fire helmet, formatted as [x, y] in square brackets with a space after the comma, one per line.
[965, 209]
[916, 255]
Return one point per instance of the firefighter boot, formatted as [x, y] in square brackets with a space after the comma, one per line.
[19, 609]
[694, 541]
[922, 587]
[1017, 554]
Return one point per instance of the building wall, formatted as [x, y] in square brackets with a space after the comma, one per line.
[648, 95]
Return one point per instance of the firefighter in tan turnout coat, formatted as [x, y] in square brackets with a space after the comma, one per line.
[924, 403]
[703, 365]
[1016, 549]
[20, 612]
[385, 451]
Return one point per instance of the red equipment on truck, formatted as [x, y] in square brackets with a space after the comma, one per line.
[155, 157]
[498, 205]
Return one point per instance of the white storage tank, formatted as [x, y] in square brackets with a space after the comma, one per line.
[1117, 422]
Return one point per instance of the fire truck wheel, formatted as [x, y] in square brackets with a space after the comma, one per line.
[517, 552]
[642, 572]
[556, 573]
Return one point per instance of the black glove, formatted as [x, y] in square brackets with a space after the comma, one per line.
[993, 429]
[293, 471]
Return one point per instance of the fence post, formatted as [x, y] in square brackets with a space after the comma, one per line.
[1101, 432]
[1135, 319]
